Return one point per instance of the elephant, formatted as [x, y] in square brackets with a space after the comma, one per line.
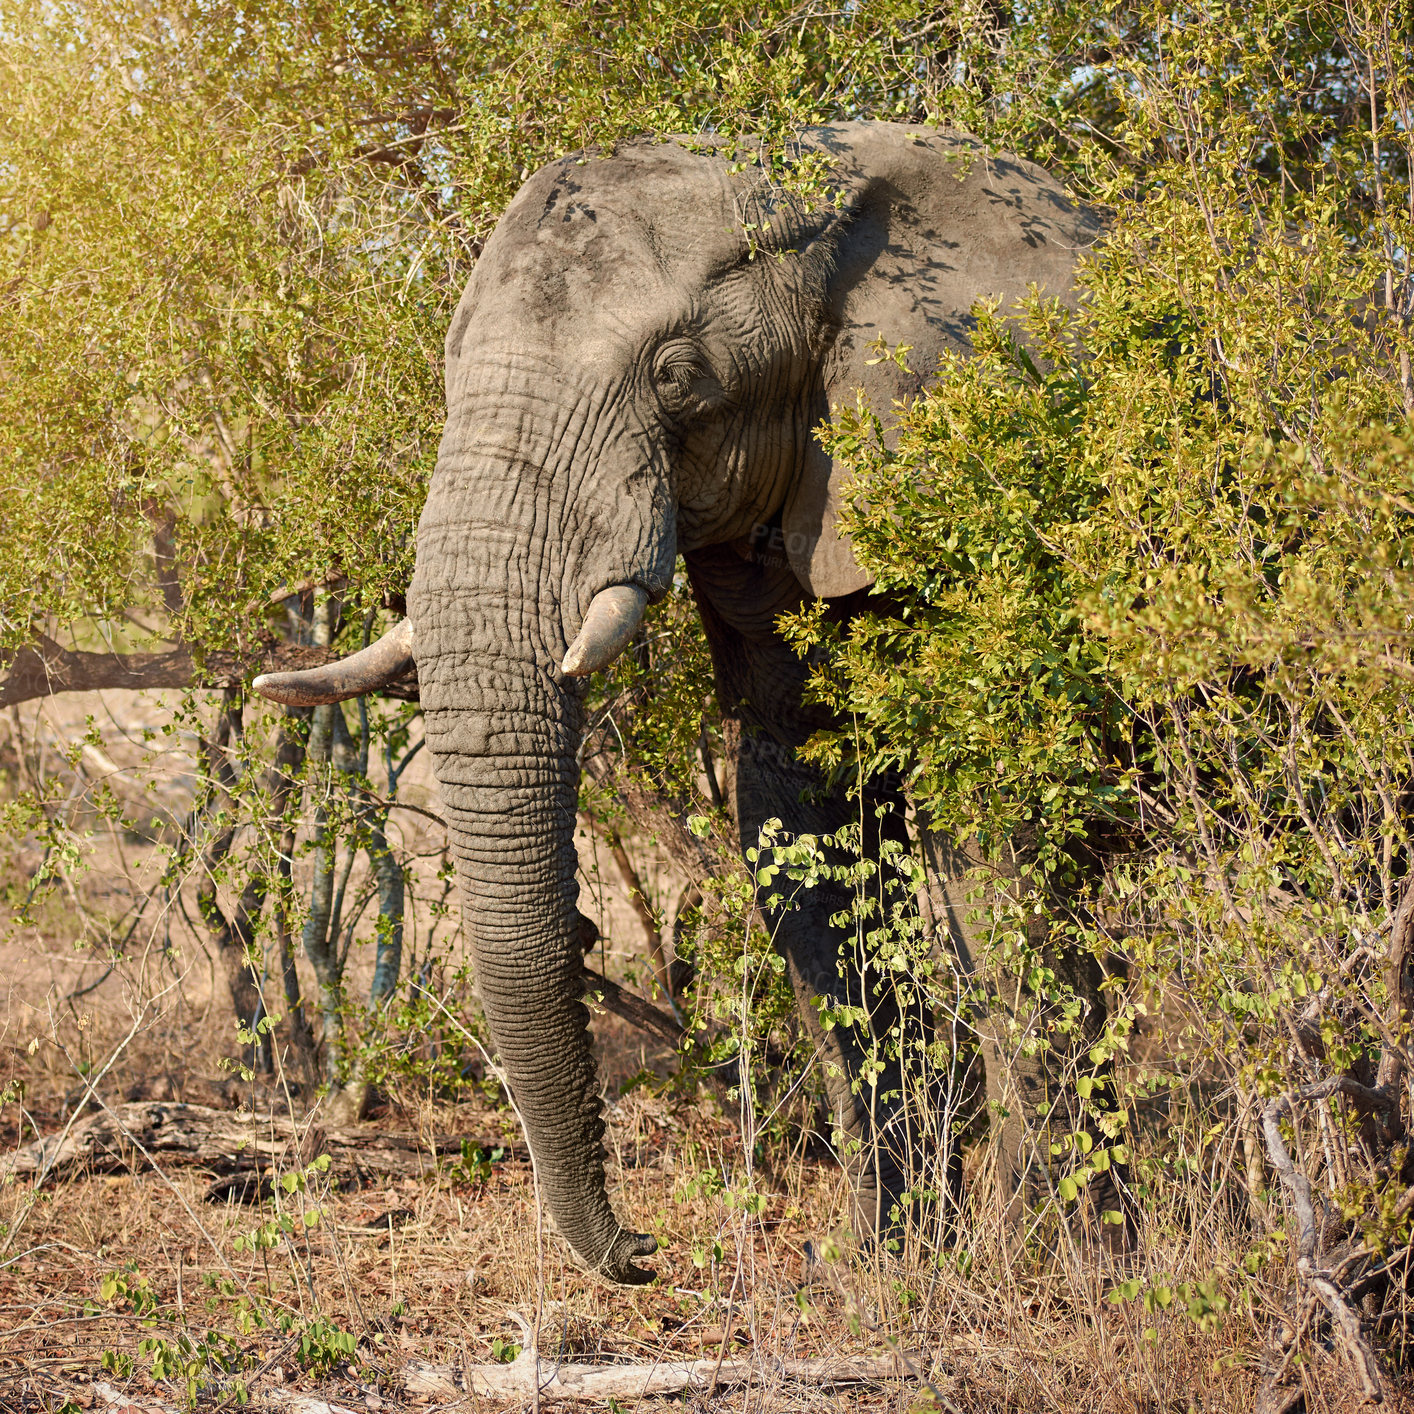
[635, 373]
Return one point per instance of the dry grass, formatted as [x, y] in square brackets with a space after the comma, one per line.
[431, 1268]
[445, 1262]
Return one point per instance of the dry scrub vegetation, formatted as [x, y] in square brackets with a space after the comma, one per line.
[159, 1284]
[1147, 628]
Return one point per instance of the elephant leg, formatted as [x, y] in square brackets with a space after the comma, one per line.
[963, 897]
[863, 1076]
[760, 684]
[1030, 1064]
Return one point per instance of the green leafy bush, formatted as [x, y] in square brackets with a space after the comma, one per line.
[1144, 575]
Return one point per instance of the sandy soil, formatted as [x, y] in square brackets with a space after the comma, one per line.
[136, 1282]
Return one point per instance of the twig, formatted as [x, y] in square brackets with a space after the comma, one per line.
[43, 1247]
[176, 1192]
[635, 1010]
[92, 986]
[1344, 1321]
[638, 898]
[108, 971]
[118, 1050]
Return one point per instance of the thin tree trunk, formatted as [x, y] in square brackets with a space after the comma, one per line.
[301, 1037]
[319, 945]
[391, 897]
[289, 757]
[232, 937]
[320, 939]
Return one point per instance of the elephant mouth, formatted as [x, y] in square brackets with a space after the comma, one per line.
[610, 623]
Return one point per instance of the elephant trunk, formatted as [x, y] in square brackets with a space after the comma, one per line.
[511, 830]
[520, 567]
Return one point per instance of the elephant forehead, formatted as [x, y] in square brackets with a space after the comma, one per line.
[590, 289]
[659, 194]
[623, 233]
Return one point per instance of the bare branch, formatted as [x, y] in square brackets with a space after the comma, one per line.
[634, 1010]
[638, 898]
[1399, 984]
[1296, 1182]
[1344, 1321]
[1351, 1339]
[47, 669]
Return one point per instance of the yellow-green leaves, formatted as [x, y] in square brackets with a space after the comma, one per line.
[231, 239]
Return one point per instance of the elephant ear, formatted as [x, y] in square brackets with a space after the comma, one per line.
[930, 223]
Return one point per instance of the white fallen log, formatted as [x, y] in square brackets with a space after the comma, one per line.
[588, 1383]
[115, 1400]
[303, 1403]
[110, 1398]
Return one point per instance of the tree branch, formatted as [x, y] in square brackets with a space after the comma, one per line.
[47, 669]
[1296, 1182]
[1344, 1322]
[1399, 984]
[638, 898]
[634, 1010]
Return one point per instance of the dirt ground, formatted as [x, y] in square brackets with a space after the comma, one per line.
[436, 1270]
[137, 1292]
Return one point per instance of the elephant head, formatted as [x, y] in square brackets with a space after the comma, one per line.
[636, 369]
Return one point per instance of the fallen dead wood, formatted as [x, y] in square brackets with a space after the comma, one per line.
[227, 1142]
[571, 1383]
[110, 1398]
[587, 1383]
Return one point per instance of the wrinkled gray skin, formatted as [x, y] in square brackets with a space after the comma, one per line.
[626, 383]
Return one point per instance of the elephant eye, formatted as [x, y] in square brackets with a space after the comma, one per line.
[682, 379]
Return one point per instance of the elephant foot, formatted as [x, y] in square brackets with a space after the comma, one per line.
[879, 1213]
[616, 1265]
[881, 1206]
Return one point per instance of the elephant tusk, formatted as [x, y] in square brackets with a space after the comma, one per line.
[613, 618]
[365, 671]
